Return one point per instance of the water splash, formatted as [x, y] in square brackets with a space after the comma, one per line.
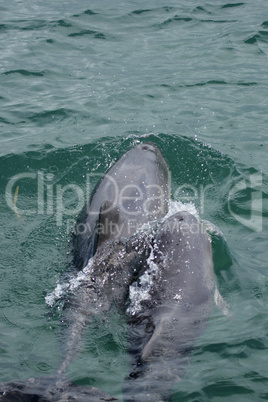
[62, 288]
[140, 291]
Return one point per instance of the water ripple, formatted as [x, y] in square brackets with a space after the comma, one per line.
[206, 83]
[231, 5]
[153, 10]
[87, 12]
[261, 36]
[25, 73]
[97, 35]
[176, 18]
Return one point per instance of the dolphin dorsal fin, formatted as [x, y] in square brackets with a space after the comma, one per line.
[108, 222]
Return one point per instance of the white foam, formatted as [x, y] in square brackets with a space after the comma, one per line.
[140, 290]
[71, 285]
[178, 206]
[56, 294]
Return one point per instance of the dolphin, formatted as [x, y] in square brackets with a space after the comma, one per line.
[181, 296]
[138, 186]
[134, 192]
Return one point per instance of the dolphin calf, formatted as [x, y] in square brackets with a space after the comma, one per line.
[181, 297]
[134, 192]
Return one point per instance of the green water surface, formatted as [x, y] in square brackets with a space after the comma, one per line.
[80, 84]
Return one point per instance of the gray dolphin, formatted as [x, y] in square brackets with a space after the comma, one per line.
[182, 290]
[132, 193]
[138, 186]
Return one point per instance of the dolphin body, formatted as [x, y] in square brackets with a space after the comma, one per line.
[182, 290]
[137, 186]
[132, 193]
